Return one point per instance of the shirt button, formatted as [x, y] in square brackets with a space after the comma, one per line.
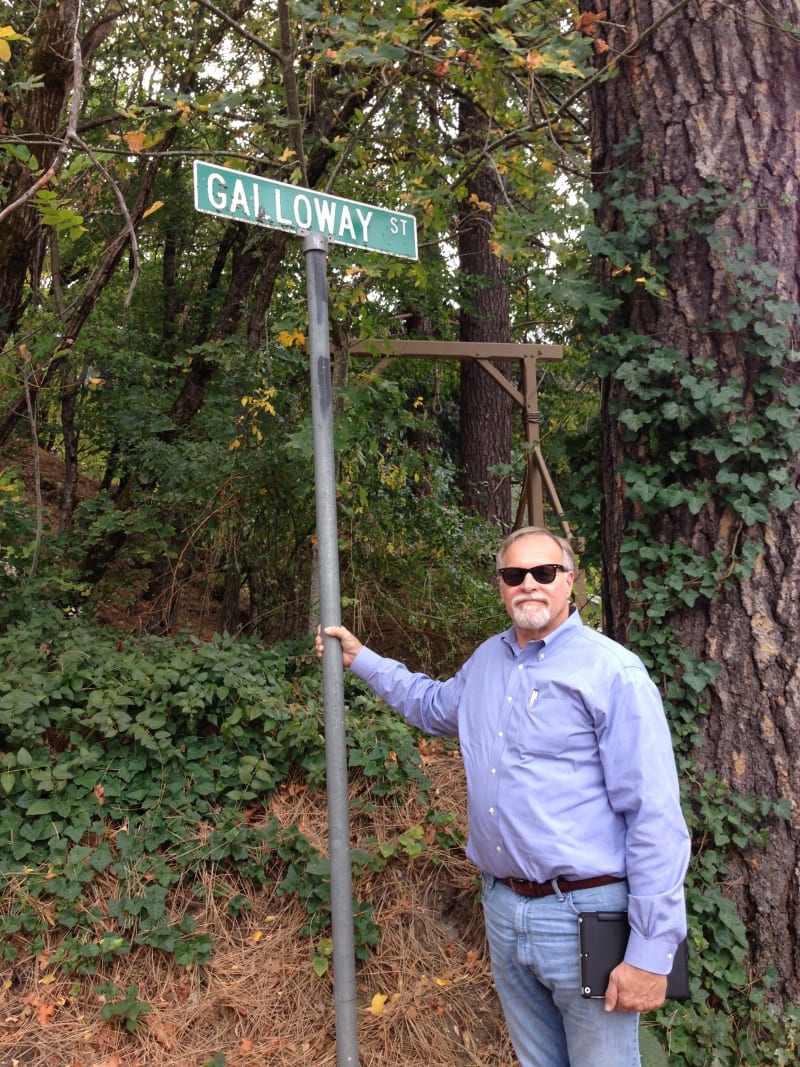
[499, 848]
[499, 733]
[491, 811]
[509, 699]
[493, 770]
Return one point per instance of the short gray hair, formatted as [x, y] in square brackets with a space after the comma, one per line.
[567, 552]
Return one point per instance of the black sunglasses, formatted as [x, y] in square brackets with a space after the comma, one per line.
[544, 573]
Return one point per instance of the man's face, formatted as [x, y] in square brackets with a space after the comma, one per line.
[536, 609]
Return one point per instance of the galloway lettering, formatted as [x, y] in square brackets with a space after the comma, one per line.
[294, 211]
[264, 202]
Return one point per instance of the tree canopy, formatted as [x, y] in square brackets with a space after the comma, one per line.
[138, 332]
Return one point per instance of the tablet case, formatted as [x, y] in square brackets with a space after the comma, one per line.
[603, 940]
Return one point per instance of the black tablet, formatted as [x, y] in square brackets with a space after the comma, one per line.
[603, 940]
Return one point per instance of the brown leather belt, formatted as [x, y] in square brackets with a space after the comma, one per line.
[545, 889]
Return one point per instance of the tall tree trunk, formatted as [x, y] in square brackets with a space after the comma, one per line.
[486, 409]
[707, 94]
[39, 121]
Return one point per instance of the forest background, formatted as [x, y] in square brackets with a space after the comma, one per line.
[617, 178]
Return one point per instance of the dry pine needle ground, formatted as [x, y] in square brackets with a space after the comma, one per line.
[424, 998]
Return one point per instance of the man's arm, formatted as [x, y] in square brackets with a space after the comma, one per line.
[429, 705]
[642, 784]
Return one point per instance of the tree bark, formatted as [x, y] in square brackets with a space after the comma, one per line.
[51, 60]
[707, 92]
[486, 409]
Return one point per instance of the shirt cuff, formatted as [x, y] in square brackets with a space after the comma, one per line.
[651, 955]
[365, 663]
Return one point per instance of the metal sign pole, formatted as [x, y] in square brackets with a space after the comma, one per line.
[316, 217]
[315, 247]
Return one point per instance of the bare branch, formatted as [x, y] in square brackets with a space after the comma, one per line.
[123, 207]
[251, 37]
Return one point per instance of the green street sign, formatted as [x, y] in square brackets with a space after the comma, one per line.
[233, 194]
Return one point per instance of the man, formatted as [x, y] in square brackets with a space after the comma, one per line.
[573, 805]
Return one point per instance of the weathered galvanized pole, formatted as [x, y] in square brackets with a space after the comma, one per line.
[315, 247]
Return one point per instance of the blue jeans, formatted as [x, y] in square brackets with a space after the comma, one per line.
[533, 944]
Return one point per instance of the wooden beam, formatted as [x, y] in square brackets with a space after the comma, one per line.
[504, 383]
[454, 350]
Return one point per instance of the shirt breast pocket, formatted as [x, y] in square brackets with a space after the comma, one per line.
[555, 729]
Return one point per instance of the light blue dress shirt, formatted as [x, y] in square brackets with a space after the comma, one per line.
[569, 767]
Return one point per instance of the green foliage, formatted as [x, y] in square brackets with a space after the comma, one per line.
[61, 217]
[133, 762]
[727, 1020]
[17, 535]
[123, 1008]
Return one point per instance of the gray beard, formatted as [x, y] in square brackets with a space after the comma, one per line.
[531, 614]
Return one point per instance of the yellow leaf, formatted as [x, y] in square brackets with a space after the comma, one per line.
[288, 154]
[153, 208]
[257, 935]
[378, 1003]
[288, 339]
[5, 51]
[462, 14]
[444, 982]
[548, 166]
[47, 980]
[481, 205]
[134, 139]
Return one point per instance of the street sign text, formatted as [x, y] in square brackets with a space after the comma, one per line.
[277, 205]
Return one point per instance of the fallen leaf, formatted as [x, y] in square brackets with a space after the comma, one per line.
[378, 1003]
[44, 1012]
[164, 1034]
